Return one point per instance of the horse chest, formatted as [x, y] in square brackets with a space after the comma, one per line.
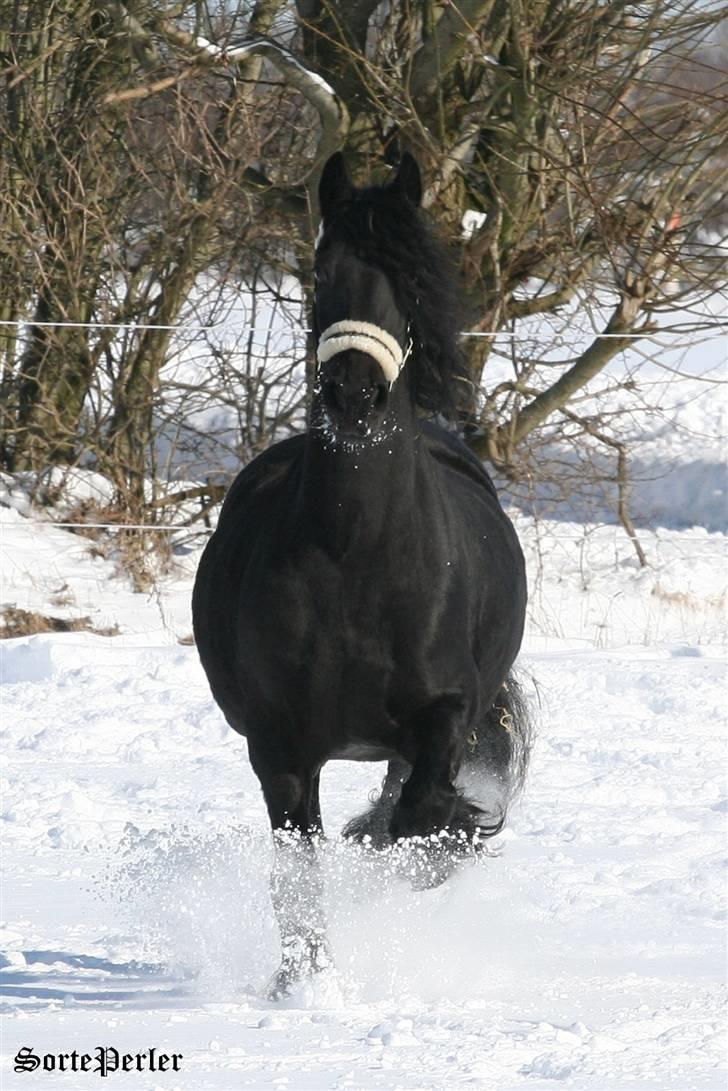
[363, 624]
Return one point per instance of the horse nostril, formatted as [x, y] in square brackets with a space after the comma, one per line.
[334, 395]
[380, 396]
[343, 398]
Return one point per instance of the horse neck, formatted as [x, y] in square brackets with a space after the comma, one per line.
[353, 495]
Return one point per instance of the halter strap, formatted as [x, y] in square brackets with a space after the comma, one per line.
[365, 337]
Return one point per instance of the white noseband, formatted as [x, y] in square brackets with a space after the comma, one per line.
[364, 337]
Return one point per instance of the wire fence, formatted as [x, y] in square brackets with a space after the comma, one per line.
[584, 588]
[678, 329]
[718, 330]
[600, 534]
[151, 527]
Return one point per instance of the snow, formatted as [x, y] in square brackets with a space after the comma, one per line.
[588, 952]
[243, 48]
[663, 398]
[472, 222]
[136, 910]
[209, 47]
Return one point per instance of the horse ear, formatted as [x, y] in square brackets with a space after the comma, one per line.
[335, 186]
[408, 180]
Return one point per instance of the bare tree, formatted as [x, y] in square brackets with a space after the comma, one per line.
[590, 138]
[576, 151]
[113, 206]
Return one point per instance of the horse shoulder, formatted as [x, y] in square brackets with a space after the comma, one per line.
[451, 454]
[476, 513]
[253, 503]
[261, 477]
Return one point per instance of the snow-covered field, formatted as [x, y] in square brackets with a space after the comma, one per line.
[588, 953]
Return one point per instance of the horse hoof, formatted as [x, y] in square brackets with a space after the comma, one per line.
[299, 964]
[280, 985]
[428, 861]
[369, 830]
[423, 817]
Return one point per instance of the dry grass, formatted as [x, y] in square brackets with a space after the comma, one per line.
[15, 622]
[686, 601]
[142, 555]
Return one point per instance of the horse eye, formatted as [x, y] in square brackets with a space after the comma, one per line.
[320, 276]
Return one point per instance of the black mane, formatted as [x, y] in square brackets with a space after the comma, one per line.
[389, 232]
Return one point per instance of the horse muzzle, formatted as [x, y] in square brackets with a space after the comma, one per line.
[355, 394]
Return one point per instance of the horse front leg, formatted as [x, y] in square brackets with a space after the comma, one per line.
[373, 827]
[292, 799]
[430, 804]
[429, 798]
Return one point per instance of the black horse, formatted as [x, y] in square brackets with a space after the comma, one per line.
[363, 596]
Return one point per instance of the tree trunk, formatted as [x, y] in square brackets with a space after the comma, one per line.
[55, 373]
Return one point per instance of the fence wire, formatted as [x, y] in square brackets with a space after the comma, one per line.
[652, 334]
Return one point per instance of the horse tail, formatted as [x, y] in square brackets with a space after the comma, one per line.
[511, 714]
[497, 757]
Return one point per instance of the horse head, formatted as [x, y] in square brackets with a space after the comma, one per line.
[362, 327]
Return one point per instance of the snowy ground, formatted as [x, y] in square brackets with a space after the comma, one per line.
[589, 953]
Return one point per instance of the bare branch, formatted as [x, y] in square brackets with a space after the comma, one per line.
[439, 52]
[331, 109]
[589, 364]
